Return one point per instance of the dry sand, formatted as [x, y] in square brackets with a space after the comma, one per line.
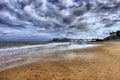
[96, 63]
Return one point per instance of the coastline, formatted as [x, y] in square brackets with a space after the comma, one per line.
[94, 63]
[17, 56]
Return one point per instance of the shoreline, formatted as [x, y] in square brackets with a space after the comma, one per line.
[94, 63]
[13, 57]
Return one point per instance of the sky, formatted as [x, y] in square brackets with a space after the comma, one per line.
[46, 19]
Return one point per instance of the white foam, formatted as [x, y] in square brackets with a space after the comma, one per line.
[26, 55]
[79, 46]
[42, 49]
[63, 47]
[32, 46]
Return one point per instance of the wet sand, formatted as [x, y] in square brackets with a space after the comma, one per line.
[95, 63]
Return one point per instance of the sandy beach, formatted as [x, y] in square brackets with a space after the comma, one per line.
[95, 63]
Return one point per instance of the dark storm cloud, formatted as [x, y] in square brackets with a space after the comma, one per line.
[59, 18]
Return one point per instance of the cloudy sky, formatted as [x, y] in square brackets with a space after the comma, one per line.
[46, 19]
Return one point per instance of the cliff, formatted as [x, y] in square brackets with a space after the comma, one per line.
[113, 36]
